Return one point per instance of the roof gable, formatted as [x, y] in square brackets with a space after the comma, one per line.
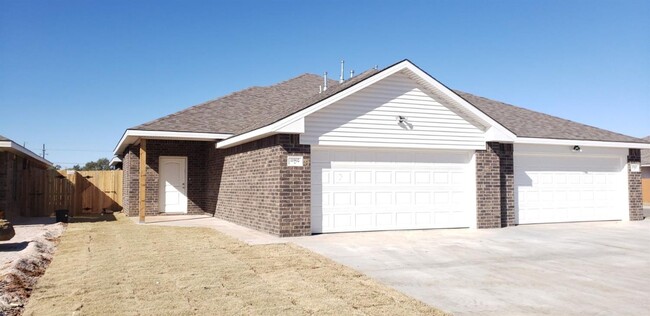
[281, 108]
[372, 116]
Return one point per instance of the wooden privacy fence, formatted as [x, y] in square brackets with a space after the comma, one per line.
[645, 186]
[80, 192]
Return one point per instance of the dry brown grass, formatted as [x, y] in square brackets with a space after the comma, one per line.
[120, 268]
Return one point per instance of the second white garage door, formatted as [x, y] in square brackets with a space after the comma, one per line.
[356, 189]
[554, 184]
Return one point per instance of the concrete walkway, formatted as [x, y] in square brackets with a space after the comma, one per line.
[555, 269]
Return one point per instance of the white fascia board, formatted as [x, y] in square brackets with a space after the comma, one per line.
[494, 134]
[131, 136]
[299, 116]
[11, 146]
[569, 142]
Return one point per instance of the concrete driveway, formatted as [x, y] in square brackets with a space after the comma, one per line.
[559, 269]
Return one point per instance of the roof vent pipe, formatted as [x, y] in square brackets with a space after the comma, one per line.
[325, 81]
[342, 72]
[351, 74]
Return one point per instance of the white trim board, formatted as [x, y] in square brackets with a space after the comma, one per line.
[13, 147]
[131, 136]
[569, 142]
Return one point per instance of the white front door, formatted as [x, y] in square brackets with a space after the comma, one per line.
[363, 189]
[173, 184]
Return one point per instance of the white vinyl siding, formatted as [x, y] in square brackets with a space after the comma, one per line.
[364, 189]
[370, 118]
[554, 184]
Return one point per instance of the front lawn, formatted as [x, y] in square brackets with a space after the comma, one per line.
[121, 268]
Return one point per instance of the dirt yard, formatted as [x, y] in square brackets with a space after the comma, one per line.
[23, 259]
[122, 268]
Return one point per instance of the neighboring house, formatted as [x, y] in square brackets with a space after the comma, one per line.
[387, 149]
[19, 167]
[645, 173]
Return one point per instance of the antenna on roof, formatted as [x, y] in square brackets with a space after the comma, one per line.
[342, 72]
[325, 81]
[351, 73]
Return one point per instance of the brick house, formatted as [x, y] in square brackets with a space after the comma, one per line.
[19, 167]
[387, 149]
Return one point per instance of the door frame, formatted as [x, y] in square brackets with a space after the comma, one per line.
[161, 188]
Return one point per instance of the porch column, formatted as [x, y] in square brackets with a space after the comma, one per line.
[142, 179]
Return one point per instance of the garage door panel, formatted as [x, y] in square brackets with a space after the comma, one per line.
[395, 190]
[568, 188]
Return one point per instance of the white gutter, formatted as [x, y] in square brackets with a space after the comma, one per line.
[569, 142]
[131, 136]
[11, 146]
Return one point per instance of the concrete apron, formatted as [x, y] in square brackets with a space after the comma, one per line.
[558, 269]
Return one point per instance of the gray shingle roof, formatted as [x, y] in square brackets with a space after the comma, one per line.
[256, 107]
[252, 108]
[645, 153]
[526, 123]
[2, 138]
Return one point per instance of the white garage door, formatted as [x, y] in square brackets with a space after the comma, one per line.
[569, 188]
[369, 189]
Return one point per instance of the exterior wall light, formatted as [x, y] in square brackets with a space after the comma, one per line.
[576, 149]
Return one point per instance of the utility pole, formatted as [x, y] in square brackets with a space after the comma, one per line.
[43, 151]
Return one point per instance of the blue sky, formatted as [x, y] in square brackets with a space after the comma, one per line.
[75, 74]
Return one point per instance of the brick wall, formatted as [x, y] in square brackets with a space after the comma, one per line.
[258, 190]
[495, 186]
[215, 169]
[197, 175]
[4, 182]
[634, 186]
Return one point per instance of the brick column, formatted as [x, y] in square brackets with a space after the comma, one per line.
[130, 190]
[495, 186]
[295, 188]
[634, 186]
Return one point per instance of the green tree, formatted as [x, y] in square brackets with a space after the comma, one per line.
[100, 164]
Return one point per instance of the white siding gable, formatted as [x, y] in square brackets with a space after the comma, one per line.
[370, 118]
